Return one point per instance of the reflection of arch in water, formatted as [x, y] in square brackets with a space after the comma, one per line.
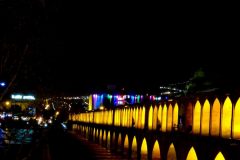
[104, 137]
[171, 155]
[226, 118]
[100, 136]
[156, 154]
[144, 149]
[119, 141]
[215, 118]
[219, 156]
[236, 120]
[94, 134]
[205, 118]
[108, 140]
[192, 154]
[134, 148]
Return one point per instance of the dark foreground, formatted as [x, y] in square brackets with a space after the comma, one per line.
[55, 143]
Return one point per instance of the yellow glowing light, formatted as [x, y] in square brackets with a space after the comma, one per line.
[197, 118]
[219, 156]
[159, 119]
[169, 118]
[90, 107]
[143, 117]
[144, 150]
[192, 154]
[126, 142]
[139, 117]
[134, 148]
[164, 118]
[150, 118]
[7, 103]
[155, 114]
[57, 113]
[101, 107]
[156, 151]
[215, 122]
[205, 118]
[171, 155]
[226, 118]
[236, 120]
[175, 115]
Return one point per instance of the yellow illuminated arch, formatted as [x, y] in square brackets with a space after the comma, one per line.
[219, 156]
[175, 115]
[226, 118]
[139, 117]
[108, 139]
[196, 118]
[134, 148]
[169, 118]
[126, 142]
[215, 118]
[171, 155]
[155, 115]
[143, 117]
[156, 155]
[236, 120]
[144, 150]
[150, 118]
[189, 115]
[159, 119]
[205, 118]
[164, 118]
[192, 154]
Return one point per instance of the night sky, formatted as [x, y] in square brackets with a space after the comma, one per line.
[80, 50]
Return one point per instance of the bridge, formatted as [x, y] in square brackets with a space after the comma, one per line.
[197, 128]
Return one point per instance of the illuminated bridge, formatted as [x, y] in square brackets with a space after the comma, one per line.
[205, 129]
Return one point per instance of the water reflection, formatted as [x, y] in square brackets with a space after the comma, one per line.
[16, 136]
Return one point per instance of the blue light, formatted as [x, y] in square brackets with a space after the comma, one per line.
[2, 84]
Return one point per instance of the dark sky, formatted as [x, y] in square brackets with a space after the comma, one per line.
[76, 50]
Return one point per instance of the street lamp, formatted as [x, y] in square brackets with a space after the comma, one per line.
[2, 84]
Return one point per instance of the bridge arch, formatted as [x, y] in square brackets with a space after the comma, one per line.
[236, 120]
[144, 149]
[171, 155]
[196, 117]
[155, 115]
[219, 156]
[192, 154]
[150, 118]
[226, 118]
[126, 145]
[205, 121]
[156, 152]
[169, 117]
[175, 115]
[164, 118]
[159, 119]
[215, 118]
[134, 148]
